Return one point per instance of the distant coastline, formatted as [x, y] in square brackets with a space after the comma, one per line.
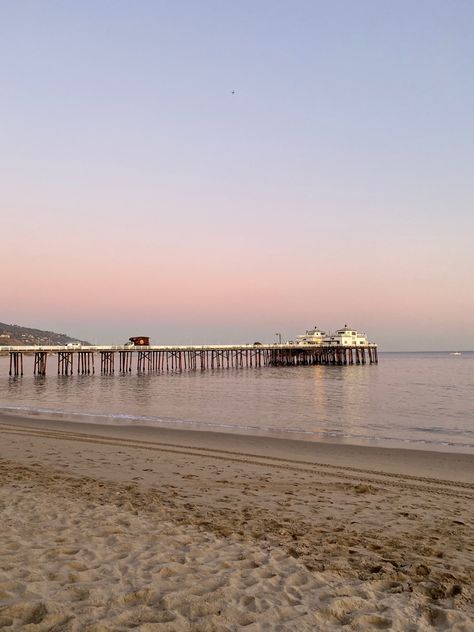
[18, 335]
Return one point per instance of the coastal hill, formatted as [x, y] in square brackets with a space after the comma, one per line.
[16, 335]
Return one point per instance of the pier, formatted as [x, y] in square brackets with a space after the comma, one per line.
[158, 359]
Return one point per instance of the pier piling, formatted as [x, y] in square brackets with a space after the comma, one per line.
[65, 362]
[16, 364]
[41, 358]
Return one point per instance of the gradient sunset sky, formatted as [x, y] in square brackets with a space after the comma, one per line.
[217, 171]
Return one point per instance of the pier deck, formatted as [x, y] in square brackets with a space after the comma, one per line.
[177, 358]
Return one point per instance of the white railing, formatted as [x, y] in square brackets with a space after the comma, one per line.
[93, 348]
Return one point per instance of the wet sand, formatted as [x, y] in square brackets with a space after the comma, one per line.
[107, 528]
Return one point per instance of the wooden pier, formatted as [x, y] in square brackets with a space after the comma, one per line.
[159, 359]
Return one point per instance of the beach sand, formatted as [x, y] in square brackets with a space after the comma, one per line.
[106, 528]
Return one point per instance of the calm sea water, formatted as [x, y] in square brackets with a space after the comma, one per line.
[419, 400]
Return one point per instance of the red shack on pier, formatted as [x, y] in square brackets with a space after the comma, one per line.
[140, 341]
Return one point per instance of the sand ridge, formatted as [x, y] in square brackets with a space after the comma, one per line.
[183, 538]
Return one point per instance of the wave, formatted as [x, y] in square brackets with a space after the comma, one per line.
[320, 434]
[440, 430]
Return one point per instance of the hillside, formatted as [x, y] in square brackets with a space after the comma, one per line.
[16, 335]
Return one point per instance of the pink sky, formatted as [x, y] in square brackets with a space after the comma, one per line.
[335, 186]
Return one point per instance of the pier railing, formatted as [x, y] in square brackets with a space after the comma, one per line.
[177, 358]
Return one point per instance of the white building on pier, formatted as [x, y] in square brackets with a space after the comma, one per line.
[345, 337]
[311, 337]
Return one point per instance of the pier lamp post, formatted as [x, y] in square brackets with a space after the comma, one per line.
[279, 338]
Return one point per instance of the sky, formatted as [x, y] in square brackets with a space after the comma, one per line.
[221, 171]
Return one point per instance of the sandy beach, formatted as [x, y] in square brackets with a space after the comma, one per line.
[106, 528]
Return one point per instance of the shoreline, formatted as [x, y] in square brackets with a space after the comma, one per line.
[254, 432]
[455, 466]
[109, 528]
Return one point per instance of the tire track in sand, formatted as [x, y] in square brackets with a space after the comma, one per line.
[347, 473]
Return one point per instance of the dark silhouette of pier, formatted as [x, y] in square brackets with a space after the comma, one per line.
[84, 360]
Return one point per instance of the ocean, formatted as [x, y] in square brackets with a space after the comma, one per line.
[410, 400]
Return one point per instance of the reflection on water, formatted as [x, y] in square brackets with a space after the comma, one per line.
[422, 400]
